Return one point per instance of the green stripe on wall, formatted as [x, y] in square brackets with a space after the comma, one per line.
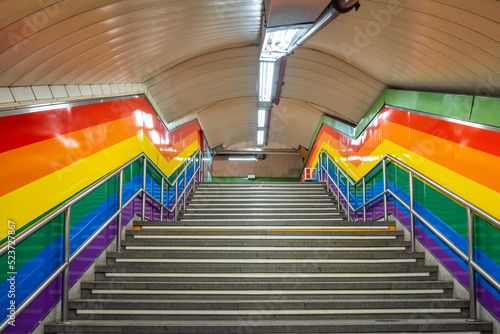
[25, 251]
[486, 238]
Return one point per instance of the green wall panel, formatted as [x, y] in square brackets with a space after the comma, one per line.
[94, 199]
[441, 206]
[486, 238]
[486, 110]
[449, 105]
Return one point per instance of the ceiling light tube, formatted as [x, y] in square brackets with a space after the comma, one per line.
[261, 122]
[266, 80]
[260, 137]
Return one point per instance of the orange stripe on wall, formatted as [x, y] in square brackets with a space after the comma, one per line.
[26, 164]
[461, 159]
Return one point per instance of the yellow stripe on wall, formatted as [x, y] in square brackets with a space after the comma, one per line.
[25, 204]
[475, 193]
[28, 202]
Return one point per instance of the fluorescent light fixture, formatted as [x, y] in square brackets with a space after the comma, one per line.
[242, 159]
[266, 80]
[261, 118]
[260, 137]
[279, 42]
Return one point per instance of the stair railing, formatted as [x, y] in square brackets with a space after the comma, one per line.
[65, 209]
[473, 266]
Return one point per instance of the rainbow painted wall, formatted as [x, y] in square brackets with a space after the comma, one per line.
[462, 156]
[49, 155]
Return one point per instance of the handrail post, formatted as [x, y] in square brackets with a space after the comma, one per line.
[176, 198]
[194, 174]
[348, 200]
[161, 198]
[143, 209]
[364, 199]
[327, 178]
[200, 176]
[65, 274]
[472, 273]
[338, 188]
[119, 219]
[184, 191]
[384, 175]
[412, 215]
[320, 169]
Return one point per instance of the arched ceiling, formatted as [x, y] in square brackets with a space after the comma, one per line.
[201, 56]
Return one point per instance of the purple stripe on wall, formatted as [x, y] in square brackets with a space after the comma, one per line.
[43, 304]
[483, 295]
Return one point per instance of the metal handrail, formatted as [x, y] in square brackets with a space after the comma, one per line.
[471, 211]
[66, 209]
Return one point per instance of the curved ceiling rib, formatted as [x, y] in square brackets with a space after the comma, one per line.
[205, 80]
[234, 121]
[230, 122]
[324, 80]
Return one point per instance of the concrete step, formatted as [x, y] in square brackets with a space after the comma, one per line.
[259, 268]
[235, 260]
[268, 309]
[251, 253]
[260, 190]
[196, 241]
[259, 200]
[109, 275]
[259, 184]
[255, 325]
[325, 223]
[277, 211]
[262, 204]
[330, 235]
[283, 218]
[266, 290]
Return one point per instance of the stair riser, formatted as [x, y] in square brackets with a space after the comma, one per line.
[206, 214]
[382, 245]
[262, 268]
[271, 285]
[210, 260]
[250, 254]
[325, 235]
[251, 207]
[73, 316]
[309, 222]
[101, 276]
[255, 327]
[88, 294]
[234, 305]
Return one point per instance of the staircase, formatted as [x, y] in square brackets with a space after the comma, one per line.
[266, 258]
